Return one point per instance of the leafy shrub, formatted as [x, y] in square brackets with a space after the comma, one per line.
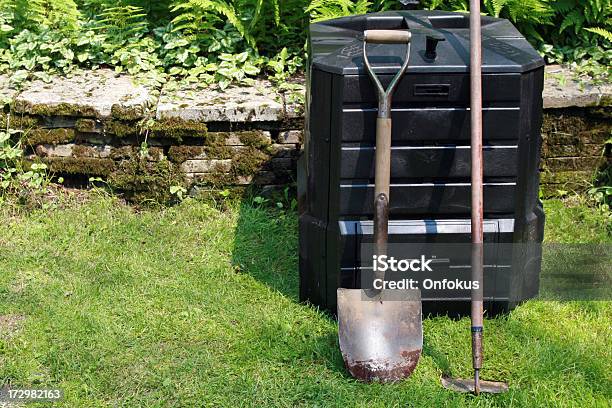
[225, 41]
[565, 31]
[601, 191]
[326, 9]
[36, 14]
[25, 181]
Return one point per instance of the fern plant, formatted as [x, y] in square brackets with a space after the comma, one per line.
[527, 15]
[38, 15]
[574, 31]
[279, 24]
[581, 34]
[201, 16]
[192, 38]
[123, 21]
[6, 26]
[327, 9]
[157, 11]
[595, 16]
[453, 5]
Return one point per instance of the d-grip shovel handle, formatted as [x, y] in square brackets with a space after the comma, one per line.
[386, 36]
[383, 134]
[383, 122]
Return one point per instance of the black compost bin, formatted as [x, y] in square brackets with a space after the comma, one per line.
[430, 166]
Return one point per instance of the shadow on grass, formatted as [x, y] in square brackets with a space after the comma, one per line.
[266, 248]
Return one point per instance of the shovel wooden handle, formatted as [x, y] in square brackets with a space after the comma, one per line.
[381, 229]
[383, 134]
[381, 189]
[386, 36]
[383, 157]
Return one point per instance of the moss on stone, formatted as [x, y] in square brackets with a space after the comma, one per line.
[215, 181]
[578, 177]
[79, 150]
[122, 129]
[61, 109]
[254, 139]
[122, 152]
[179, 154]
[144, 182]
[85, 125]
[574, 126]
[131, 152]
[248, 161]
[247, 157]
[559, 164]
[282, 150]
[569, 150]
[178, 129]
[20, 122]
[80, 165]
[127, 112]
[602, 112]
[218, 152]
[155, 153]
[606, 102]
[49, 136]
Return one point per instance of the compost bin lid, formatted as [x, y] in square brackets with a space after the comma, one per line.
[336, 45]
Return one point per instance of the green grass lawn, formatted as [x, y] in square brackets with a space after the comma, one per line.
[192, 306]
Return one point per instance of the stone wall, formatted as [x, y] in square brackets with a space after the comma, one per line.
[142, 139]
[573, 148]
[577, 123]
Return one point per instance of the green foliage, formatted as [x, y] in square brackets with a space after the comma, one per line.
[574, 220]
[200, 16]
[601, 192]
[326, 9]
[602, 197]
[179, 192]
[526, 14]
[283, 65]
[41, 14]
[18, 179]
[565, 31]
[156, 10]
[36, 35]
[580, 33]
[227, 41]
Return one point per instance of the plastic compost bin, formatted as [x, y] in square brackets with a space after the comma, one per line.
[430, 165]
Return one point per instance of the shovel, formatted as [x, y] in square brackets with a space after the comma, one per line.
[380, 330]
[476, 385]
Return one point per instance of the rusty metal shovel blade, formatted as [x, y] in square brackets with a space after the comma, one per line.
[380, 333]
